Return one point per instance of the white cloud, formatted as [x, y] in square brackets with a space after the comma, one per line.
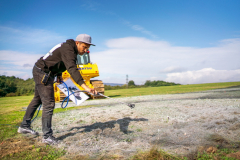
[206, 75]
[139, 28]
[21, 60]
[172, 69]
[142, 58]
[143, 30]
[21, 48]
[29, 36]
[21, 74]
[25, 76]
[10, 73]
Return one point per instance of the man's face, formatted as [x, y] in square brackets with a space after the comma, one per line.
[82, 47]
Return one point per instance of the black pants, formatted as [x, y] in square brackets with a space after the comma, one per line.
[44, 94]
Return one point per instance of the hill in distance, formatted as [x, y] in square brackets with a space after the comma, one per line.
[113, 84]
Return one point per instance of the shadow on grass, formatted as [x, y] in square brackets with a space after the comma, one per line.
[114, 96]
[123, 123]
[234, 86]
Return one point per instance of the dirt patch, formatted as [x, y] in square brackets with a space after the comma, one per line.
[28, 147]
[234, 155]
[178, 124]
[16, 145]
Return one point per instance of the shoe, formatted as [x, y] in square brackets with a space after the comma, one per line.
[27, 130]
[50, 140]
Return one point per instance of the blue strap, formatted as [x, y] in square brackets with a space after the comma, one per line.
[37, 113]
[67, 96]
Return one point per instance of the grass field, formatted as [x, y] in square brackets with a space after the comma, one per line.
[11, 114]
[168, 89]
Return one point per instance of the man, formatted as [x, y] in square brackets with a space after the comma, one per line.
[60, 58]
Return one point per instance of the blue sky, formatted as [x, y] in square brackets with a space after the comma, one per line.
[182, 41]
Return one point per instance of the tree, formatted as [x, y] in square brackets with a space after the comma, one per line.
[131, 83]
[149, 83]
[15, 85]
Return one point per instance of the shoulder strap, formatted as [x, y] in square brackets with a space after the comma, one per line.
[46, 68]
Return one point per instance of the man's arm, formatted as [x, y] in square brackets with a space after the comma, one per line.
[70, 63]
[69, 58]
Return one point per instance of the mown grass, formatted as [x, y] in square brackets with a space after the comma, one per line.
[11, 113]
[168, 89]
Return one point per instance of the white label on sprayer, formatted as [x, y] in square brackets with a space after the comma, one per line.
[50, 52]
[75, 96]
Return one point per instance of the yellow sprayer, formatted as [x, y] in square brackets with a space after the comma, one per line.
[88, 71]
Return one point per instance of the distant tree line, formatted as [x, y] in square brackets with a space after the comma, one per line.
[12, 86]
[148, 83]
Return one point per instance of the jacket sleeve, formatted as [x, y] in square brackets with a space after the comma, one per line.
[69, 59]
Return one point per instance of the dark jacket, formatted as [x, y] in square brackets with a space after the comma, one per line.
[62, 57]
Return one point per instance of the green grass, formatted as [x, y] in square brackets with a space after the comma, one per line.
[11, 114]
[10, 104]
[168, 89]
[36, 152]
[220, 154]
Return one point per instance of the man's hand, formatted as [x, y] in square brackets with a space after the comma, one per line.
[91, 90]
[59, 79]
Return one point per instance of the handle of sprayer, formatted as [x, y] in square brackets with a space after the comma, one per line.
[98, 94]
